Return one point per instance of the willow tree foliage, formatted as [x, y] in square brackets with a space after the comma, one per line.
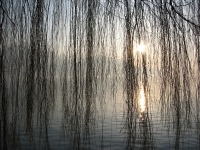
[83, 43]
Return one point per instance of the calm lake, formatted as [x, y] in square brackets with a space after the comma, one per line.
[104, 118]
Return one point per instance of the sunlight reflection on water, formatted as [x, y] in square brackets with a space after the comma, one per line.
[142, 104]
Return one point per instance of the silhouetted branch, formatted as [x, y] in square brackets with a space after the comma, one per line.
[181, 15]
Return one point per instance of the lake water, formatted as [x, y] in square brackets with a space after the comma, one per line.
[104, 118]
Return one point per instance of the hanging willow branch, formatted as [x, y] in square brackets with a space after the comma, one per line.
[180, 15]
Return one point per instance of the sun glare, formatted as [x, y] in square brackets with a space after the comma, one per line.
[141, 48]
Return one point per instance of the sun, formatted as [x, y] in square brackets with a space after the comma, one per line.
[140, 48]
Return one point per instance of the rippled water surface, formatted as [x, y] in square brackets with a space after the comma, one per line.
[104, 120]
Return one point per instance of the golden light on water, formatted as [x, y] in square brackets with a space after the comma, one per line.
[142, 104]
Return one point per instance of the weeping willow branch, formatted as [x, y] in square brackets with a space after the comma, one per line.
[181, 15]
